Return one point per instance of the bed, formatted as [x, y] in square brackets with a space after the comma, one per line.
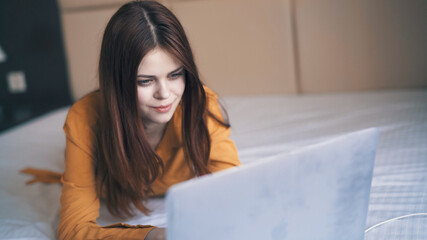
[262, 127]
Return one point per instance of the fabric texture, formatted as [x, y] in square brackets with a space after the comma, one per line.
[79, 200]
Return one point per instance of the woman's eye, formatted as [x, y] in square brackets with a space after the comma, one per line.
[144, 82]
[176, 75]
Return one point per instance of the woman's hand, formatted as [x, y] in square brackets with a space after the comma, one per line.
[156, 234]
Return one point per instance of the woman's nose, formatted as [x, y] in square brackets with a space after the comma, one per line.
[162, 91]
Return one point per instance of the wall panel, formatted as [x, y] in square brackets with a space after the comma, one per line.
[253, 47]
[83, 32]
[359, 45]
[241, 47]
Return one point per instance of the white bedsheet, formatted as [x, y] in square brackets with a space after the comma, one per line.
[262, 127]
[274, 124]
[30, 212]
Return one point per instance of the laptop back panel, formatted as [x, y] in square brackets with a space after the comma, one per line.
[318, 192]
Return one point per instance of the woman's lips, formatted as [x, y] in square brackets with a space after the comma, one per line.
[163, 109]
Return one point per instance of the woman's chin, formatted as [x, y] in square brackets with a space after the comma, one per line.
[157, 119]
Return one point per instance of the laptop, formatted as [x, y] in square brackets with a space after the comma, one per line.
[318, 192]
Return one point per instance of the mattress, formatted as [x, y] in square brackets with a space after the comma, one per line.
[262, 127]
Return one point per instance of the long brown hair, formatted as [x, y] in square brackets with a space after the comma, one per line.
[126, 165]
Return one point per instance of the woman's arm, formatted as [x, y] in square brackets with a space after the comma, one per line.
[80, 203]
[223, 150]
[156, 234]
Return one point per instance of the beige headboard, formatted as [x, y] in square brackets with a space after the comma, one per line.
[253, 47]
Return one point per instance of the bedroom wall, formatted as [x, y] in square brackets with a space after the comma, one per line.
[241, 46]
[232, 45]
[364, 44]
[276, 46]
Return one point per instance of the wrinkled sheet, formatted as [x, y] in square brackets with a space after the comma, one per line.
[262, 127]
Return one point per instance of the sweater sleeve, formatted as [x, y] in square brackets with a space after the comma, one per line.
[223, 150]
[79, 200]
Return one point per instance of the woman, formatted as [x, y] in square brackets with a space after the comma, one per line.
[151, 124]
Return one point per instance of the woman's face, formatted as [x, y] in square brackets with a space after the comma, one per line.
[160, 83]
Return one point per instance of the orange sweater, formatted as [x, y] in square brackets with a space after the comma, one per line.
[79, 200]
